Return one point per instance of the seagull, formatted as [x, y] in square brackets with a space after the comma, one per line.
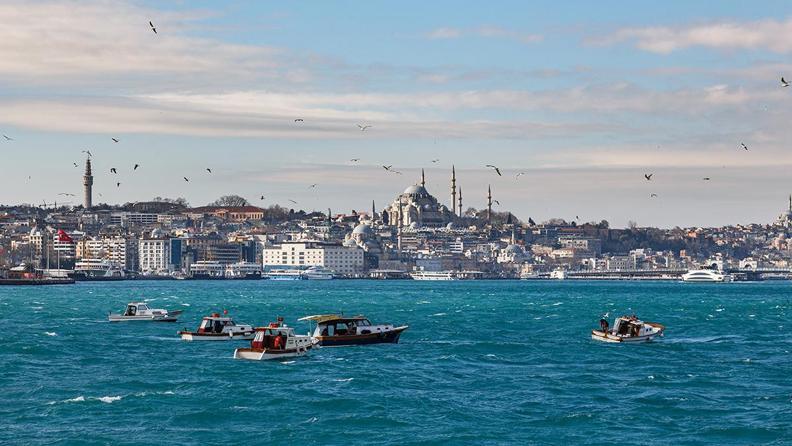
[605, 316]
[390, 169]
[152, 27]
[653, 196]
[114, 139]
[744, 146]
[299, 120]
[209, 170]
[8, 138]
[436, 160]
[75, 164]
[496, 202]
[262, 197]
[118, 184]
[496, 169]
[706, 178]
[185, 179]
[88, 152]
[312, 186]
[113, 170]
[577, 217]
[363, 127]
[136, 166]
[784, 82]
[648, 176]
[354, 160]
[65, 194]
[519, 175]
[293, 201]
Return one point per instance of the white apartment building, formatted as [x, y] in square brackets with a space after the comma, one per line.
[121, 251]
[154, 256]
[340, 259]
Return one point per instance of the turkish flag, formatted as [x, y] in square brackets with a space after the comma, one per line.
[64, 237]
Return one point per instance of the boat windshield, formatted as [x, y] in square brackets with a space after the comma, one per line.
[130, 311]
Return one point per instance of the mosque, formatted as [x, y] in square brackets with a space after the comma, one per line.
[416, 207]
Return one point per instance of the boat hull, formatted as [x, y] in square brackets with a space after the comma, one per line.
[388, 337]
[172, 316]
[599, 335]
[193, 336]
[267, 354]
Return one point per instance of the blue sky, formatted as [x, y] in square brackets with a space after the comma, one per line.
[583, 97]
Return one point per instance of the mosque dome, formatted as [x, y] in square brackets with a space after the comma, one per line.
[514, 249]
[349, 243]
[416, 189]
[362, 229]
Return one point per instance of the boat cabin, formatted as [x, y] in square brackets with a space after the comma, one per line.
[336, 325]
[215, 324]
[630, 326]
[275, 336]
[136, 308]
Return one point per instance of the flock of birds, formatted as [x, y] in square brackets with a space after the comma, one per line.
[362, 128]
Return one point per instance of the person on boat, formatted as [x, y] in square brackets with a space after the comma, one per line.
[277, 343]
[604, 325]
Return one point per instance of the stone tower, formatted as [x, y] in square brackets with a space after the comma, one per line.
[88, 185]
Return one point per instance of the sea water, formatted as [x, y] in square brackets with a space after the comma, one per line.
[483, 362]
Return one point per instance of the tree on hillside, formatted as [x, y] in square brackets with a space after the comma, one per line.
[230, 200]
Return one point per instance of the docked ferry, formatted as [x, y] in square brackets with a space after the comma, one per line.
[706, 276]
[434, 275]
[285, 274]
[97, 269]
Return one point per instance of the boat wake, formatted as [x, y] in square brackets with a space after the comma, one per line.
[343, 380]
[704, 339]
[50, 333]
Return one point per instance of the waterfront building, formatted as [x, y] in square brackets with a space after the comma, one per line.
[417, 207]
[231, 213]
[341, 259]
[121, 251]
[155, 256]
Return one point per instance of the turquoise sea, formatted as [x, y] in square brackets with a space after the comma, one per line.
[484, 362]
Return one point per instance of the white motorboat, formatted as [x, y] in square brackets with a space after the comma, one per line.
[706, 276]
[275, 341]
[337, 330]
[140, 311]
[217, 328]
[627, 329]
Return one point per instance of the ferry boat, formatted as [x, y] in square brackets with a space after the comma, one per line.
[285, 274]
[275, 341]
[706, 275]
[97, 269]
[433, 275]
[337, 330]
[140, 311]
[217, 328]
[627, 329]
[318, 273]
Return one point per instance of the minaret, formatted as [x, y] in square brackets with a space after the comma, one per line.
[373, 212]
[423, 178]
[489, 203]
[460, 201]
[790, 202]
[399, 229]
[453, 189]
[88, 184]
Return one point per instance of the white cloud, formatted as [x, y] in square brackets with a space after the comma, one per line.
[770, 34]
[485, 31]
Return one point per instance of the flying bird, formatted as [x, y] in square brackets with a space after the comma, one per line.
[113, 170]
[744, 146]
[8, 138]
[299, 120]
[648, 176]
[152, 27]
[436, 160]
[114, 139]
[312, 186]
[363, 127]
[88, 152]
[496, 202]
[75, 164]
[784, 82]
[293, 201]
[136, 166]
[706, 178]
[519, 175]
[496, 169]
[262, 197]
[653, 196]
[531, 221]
[66, 194]
[209, 170]
[118, 184]
[185, 179]
[390, 169]
[354, 160]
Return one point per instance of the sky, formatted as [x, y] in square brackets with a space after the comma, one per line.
[583, 98]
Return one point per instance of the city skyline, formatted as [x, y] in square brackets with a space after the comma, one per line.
[584, 107]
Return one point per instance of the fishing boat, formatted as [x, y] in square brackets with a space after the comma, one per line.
[140, 311]
[217, 328]
[275, 341]
[337, 330]
[627, 329]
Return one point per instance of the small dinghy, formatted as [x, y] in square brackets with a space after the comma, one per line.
[140, 311]
[627, 329]
[338, 330]
[275, 341]
[217, 328]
